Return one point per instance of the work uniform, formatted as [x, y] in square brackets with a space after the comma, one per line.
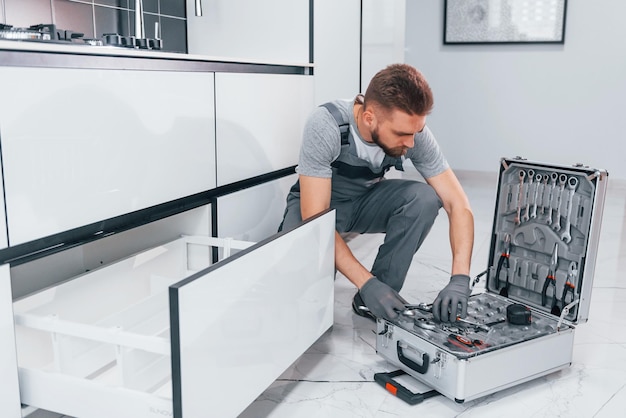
[366, 202]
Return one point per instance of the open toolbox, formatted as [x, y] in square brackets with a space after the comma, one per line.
[538, 287]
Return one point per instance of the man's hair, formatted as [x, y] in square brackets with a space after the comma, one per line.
[400, 86]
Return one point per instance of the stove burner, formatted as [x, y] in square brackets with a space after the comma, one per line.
[50, 33]
[41, 32]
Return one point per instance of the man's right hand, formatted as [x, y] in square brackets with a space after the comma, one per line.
[382, 300]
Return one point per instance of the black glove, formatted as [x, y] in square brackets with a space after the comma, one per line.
[382, 300]
[446, 305]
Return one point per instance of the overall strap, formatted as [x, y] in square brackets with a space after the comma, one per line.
[344, 125]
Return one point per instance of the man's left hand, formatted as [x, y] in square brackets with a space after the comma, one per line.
[446, 306]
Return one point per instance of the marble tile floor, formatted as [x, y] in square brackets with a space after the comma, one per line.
[334, 378]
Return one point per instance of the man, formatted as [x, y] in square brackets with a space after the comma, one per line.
[386, 126]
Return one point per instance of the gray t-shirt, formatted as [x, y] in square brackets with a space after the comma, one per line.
[321, 145]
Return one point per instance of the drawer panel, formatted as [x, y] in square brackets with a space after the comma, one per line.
[76, 150]
[259, 122]
[237, 326]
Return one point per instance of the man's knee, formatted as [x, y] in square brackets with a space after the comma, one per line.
[423, 201]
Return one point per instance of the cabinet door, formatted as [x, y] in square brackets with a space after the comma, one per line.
[251, 30]
[255, 213]
[236, 326]
[260, 118]
[80, 146]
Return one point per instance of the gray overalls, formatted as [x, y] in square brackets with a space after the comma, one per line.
[366, 202]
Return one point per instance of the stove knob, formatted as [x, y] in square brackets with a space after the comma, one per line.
[128, 41]
[155, 43]
[112, 39]
[142, 43]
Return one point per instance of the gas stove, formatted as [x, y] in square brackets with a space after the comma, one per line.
[49, 33]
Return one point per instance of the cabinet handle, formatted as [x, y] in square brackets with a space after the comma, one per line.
[198, 7]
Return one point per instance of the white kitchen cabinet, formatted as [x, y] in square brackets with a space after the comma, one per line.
[337, 51]
[165, 332]
[250, 30]
[83, 145]
[9, 395]
[3, 220]
[259, 122]
[254, 213]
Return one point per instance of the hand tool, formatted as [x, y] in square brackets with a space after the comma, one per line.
[387, 381]
[533, 214]
[531, 177]
[476, 325]
[465, 343]
[550, 281]
[553, 179]
[543, 192]
[522, 175]
[557, 222]
[572, 182]
[570, 284]
[504, 262]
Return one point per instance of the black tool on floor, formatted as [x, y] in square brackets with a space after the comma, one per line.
[396, 389]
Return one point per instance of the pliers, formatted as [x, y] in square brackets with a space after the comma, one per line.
[569, 286]
[504, 262]
[551, 281]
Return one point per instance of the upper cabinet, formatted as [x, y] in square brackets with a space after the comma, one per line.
[259, 122]
[275, 31]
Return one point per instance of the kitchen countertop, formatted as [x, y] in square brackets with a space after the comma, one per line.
[76, 49]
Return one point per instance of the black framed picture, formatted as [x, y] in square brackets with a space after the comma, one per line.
[504, 21]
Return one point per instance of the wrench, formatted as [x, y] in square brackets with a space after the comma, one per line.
[553, 178]
[543, 192]
[533, 214]
[572, 182]
[531, 176]
[522, 175]
[557, 222]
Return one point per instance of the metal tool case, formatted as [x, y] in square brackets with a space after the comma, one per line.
[538, 287]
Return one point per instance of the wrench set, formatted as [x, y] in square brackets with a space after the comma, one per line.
[543, 225]
[538, 284]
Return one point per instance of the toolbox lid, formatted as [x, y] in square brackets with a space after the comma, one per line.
[545, 235]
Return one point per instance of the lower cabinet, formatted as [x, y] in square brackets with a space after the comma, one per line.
[254, 213]
[167, 333]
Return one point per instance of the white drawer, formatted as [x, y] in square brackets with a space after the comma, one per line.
[164, 332]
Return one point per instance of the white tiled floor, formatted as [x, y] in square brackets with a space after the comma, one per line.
[334, 378]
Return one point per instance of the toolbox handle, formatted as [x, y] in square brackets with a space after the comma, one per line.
[420, 368]
[396, 389]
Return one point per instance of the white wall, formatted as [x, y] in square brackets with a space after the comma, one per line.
[555, 103]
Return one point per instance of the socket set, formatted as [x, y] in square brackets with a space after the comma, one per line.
[487, 327]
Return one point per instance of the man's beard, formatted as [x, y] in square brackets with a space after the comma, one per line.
[395, 152]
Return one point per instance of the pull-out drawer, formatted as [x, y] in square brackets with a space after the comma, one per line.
[166, 333]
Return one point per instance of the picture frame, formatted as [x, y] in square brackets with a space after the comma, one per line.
[504, 21]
